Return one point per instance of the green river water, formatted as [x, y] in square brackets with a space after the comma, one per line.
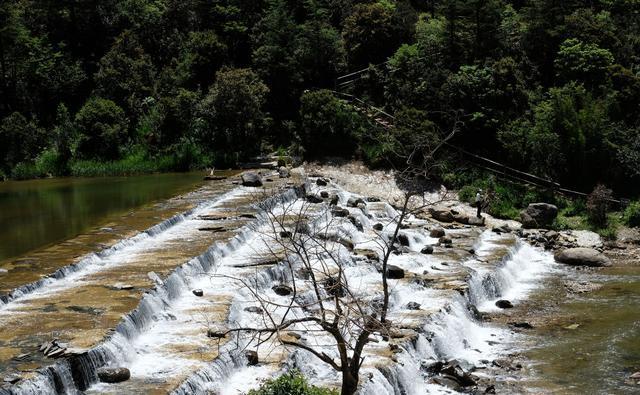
[37, 213]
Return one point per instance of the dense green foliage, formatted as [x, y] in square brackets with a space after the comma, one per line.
[549, 87]
[292, 383]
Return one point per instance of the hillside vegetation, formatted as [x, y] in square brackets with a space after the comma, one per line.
[98, 87]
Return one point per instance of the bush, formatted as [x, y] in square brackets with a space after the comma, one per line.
[25, 171]
[632, 214]
[328, 125]
[291, 383]
[102, 127]
[598, 205]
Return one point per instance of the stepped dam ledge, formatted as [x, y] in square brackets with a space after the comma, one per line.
[169, 303]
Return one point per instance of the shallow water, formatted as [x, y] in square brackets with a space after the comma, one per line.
[592, 343]
[37, 213]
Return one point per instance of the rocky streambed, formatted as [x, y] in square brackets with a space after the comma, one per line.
[465, 302]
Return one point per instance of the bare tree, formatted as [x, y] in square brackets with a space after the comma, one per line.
[307, 245]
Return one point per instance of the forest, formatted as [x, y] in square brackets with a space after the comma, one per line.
[96, 87]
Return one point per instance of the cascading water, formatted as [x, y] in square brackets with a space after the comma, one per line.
[77, 373]
[95, 259]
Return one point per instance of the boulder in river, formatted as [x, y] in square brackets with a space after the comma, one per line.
[436, 232]
[354, 202]
[378, 227]
[251, 179]
[198, 292]
[252, 357]
[504, 304]
[12, 378]
[475, 221]
[582, 257]
[446, 240]
[254, 309]
[442, 215]
[538, 215]
[394, 272]
[340, 212]
[427, 250]
[321, 182]
[282, 289]
[413, 306]
[403, 239]
[113, 375]
[283, 172]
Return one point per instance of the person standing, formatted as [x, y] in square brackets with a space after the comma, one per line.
[479, 203]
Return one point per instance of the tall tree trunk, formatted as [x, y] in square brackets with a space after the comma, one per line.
[349, 381]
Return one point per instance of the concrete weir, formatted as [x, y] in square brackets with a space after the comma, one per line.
[161, 337]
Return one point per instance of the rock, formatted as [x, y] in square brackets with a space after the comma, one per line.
[356, 223]
[454, 370]
[442, 215]
[311, 198]
[504, 304]
[335, 199]
[475, 221]
[321, 182]
[121, 287]
[370, 254]
[155, 278]
[427, 250]
[635, 376]
[254, 309]
[354, 202]
[283, 172]
[431, 366]
[251, 179]
[436, 232]
[216, 333]
[113, 375]
[198, 292]
[285, 234]
[582, 257]
[502, 229]
[538, 215]
[447, 381]
[378, 227]
[446, 240]
[521, 325]
[403, 239]
[551, 235]
[394, 272]
[86, 310]
[372, 199]
[282, 289]
[460, 217]
[324, 194]
[252, 357]
[3, 271]
[334, 287]
[579, 287]
[12, 378]
[340, 212]
[413, 306]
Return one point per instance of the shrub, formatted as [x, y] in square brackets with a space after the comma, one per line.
[598, 205]
[25, 171]
[632, 214]
[102, 128]
[291, 383]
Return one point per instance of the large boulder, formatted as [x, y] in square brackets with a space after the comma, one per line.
[394, 272]
[476, 221]
[113, 375]
[538, 215]
[442, 215]
[582, 257]
[251, 179]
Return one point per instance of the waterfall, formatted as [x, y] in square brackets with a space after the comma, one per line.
[77, 373]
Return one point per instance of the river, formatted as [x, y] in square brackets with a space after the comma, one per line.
[37, 213]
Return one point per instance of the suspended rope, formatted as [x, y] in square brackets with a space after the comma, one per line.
[500, 169]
